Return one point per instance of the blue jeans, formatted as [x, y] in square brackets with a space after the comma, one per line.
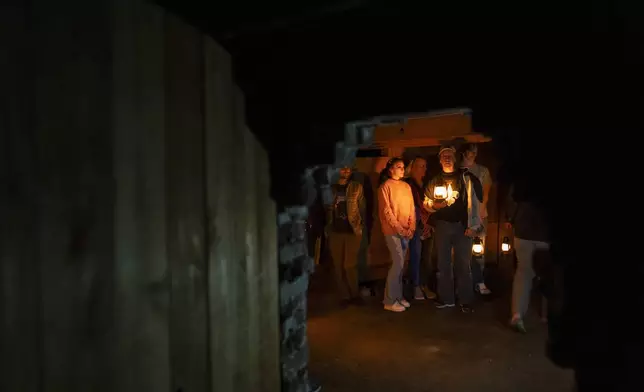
[415, 249]
[397, 248]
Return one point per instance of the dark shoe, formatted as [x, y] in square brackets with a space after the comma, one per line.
[442, 305]
[466, 308]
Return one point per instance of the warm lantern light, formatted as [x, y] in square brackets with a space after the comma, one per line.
[477, 247]
[505, 246]
[440, 192]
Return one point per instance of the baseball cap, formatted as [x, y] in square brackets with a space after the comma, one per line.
[446, 148]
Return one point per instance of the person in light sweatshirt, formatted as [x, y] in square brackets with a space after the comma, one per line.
[397, 215]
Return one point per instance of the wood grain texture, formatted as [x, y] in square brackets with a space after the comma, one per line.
[139, 240]
[185, 206]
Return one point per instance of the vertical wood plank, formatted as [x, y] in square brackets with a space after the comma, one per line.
[152, 370]
[251, 242]
[72, 122]
[239, 272]
[269, 278]
[185, 206]
[125, 131]
[221, 291]
[20, 289]
[141, 341]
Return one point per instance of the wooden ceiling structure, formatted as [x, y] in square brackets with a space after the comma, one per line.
[425, 130]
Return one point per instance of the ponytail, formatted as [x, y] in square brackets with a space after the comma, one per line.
[384, 174]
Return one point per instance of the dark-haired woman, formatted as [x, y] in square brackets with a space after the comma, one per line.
[398, 221]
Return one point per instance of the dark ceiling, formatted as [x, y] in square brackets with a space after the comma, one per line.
[345, 59]
[306, 67]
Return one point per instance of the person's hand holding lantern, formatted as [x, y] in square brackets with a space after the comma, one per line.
[440, 197]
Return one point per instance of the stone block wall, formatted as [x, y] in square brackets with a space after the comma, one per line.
[295, 266]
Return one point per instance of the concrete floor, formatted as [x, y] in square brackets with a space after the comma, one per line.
[425, 349]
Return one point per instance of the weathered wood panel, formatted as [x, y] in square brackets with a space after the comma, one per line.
[243, 277]
[185, 206]
[71, 111]
[140, 341]
[219, 122]
[250, 279]
[238, 272]
[139, 246]
[269, 278]
[20, 289]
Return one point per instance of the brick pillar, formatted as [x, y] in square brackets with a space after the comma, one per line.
[295, 266]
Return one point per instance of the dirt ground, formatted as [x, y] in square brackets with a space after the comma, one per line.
[425, 349]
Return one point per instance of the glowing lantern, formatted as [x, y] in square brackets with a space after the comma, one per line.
[440, 192]
[477, 247]
[444, 193]
[505, 245]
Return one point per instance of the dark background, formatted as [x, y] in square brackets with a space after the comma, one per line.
[530, 71]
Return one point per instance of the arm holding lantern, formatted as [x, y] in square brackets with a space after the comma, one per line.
[430, 204]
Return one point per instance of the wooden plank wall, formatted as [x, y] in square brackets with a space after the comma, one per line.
[141, 336]
[20, 289]
[243, 284]
[185, 206]
[139, 239]
[70, 116]
[243, 232]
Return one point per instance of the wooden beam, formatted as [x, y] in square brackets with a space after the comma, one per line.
[440, 127]
[428, 142]
[426, 131]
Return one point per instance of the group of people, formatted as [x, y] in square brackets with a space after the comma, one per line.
[451, 209]
[409, 212]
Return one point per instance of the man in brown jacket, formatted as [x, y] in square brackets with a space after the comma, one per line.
[344, 232]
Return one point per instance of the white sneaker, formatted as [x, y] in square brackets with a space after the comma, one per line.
[404, 303]
[396, 307]
[482, 289]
